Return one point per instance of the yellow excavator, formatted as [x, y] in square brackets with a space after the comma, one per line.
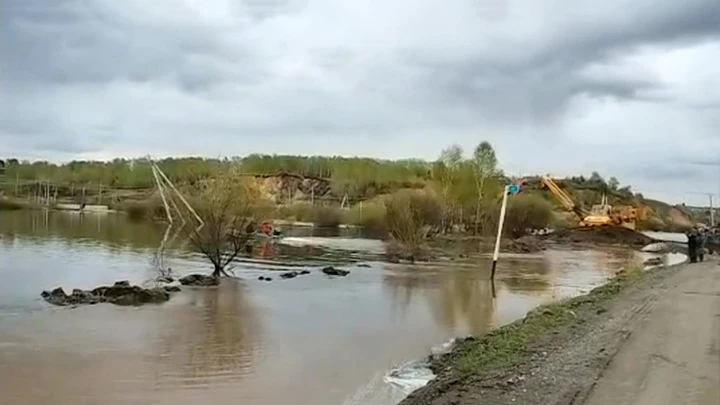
[602, 214]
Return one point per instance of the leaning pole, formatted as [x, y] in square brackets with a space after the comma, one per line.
[507, 190]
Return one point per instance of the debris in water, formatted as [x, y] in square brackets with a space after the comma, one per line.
[332, 271]
[199, 280]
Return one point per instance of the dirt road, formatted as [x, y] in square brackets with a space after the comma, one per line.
[673, 354]
[655, 343]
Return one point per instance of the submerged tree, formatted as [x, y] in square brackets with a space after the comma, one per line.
[227, 205]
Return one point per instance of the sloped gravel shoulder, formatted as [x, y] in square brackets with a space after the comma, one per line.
[575, 341]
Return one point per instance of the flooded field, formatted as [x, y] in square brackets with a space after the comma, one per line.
[310, 340]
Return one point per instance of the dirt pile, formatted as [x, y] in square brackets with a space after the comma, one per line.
[600, 235]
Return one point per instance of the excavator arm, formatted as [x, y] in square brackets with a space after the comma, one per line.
[563, 197]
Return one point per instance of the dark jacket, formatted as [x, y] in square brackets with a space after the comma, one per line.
[692, 242]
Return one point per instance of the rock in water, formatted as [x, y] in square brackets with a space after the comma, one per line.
[289, 274]
[120, 293]
[200, 280]
[332, 271]
[55, 297]
[137, 296]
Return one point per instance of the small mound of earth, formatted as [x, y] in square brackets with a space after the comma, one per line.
[199, 280]
[120, 293]
[600, 235]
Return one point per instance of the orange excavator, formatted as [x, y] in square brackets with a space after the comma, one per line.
[602, 214]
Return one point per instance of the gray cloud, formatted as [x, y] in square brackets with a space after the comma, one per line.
[546, 82]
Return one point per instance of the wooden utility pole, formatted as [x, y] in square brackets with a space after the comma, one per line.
[712, 211]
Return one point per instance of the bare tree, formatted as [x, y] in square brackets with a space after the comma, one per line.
[227, 206]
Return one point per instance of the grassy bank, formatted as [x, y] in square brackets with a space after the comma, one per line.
[508, 345]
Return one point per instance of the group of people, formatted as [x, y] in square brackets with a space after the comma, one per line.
[697, 239]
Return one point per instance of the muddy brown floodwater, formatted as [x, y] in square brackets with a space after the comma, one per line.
[309, 340]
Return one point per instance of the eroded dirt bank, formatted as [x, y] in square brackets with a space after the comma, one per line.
[664, 322]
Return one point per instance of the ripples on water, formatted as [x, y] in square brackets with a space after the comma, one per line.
[310, 340]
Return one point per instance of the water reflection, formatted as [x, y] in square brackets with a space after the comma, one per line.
[111, 229]
[308, 340]
[214, 336]
[460, 295]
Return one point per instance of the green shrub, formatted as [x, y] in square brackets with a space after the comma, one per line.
[526, 212]
[136, 210]
[370, 215]
[298, 211]
[410, 215]
[327, 216]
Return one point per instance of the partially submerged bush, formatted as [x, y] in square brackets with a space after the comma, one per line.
[396, 251]
[227, 205]
[300, 211]
[136, 210]
[327, 216]
[370, 215]
[303, 211]
[410, 216]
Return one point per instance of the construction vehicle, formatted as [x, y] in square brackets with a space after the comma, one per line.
[602, 214]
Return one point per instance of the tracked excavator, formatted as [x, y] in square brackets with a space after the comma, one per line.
[602, 214]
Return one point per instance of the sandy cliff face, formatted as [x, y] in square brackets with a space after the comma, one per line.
[285, 187]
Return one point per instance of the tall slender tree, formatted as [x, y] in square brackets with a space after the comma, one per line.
[484, 163]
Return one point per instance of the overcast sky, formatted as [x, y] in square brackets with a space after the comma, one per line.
[626, 88]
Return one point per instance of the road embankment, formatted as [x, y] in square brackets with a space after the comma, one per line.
[558, 353]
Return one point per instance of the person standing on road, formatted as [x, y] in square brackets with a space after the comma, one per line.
[702, 240]
[692, 245]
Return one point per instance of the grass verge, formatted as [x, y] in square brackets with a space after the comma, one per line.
[506, 346]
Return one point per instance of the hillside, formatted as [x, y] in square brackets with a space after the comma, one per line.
[331, 180]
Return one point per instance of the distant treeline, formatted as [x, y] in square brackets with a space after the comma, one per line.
[352, 175]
